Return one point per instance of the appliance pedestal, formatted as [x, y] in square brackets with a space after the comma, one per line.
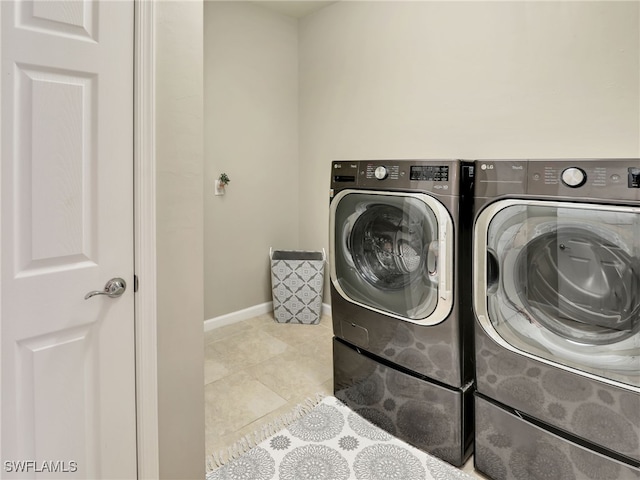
[508, 446]
[429, 416]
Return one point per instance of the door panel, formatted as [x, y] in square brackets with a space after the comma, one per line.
[560, 281]
[55, 192]
[68, 385]
[393, 253]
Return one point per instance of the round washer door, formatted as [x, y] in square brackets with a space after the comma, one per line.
[561, 282]
[392, 253]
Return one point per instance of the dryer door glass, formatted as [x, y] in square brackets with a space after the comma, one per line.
[387, 253]
[564, 284]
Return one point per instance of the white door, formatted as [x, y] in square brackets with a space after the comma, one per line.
[67, 377]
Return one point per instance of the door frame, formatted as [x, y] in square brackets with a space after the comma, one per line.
[144, 163]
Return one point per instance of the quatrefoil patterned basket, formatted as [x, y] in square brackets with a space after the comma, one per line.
[297, 281]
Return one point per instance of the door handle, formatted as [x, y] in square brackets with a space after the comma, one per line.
[432, 259]
[114, 288]
[493, 272]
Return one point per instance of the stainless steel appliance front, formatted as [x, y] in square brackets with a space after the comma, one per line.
[401, 298]
[557, 301]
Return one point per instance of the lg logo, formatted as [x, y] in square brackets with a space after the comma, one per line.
[486, 166]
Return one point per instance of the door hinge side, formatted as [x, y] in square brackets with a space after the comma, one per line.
[135, 283]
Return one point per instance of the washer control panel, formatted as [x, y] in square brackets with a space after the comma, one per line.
[437, 176]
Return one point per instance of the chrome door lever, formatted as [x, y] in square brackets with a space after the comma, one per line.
[114, 288]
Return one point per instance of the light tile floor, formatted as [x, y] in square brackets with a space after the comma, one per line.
[258, 370]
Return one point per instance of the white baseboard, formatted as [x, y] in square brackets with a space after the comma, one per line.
[246, 314]
[238, 316]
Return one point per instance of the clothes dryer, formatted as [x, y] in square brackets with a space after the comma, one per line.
[400, 266]
[557, 301]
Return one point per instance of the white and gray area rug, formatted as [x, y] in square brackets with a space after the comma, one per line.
[329, 442]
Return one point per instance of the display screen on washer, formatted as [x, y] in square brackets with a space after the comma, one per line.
[430, 173]
[386, 253]
[564, 284]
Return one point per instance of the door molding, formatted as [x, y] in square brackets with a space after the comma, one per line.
[145, 240]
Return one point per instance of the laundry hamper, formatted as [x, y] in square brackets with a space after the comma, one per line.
[297, 281]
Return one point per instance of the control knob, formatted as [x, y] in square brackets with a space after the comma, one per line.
[381, 172]
[573, 177]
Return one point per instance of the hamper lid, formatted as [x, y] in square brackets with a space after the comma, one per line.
[296, 255]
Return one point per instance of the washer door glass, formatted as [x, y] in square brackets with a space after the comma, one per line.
[386, 252]
[563, 283]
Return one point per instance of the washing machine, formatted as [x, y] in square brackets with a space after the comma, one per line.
[401, 298]
[556, 248]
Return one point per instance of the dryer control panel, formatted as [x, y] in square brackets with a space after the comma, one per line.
[589, 179]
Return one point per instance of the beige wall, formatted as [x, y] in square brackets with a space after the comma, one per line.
[463, 80]
[179, 96]
[251, 133]
[394, 80]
